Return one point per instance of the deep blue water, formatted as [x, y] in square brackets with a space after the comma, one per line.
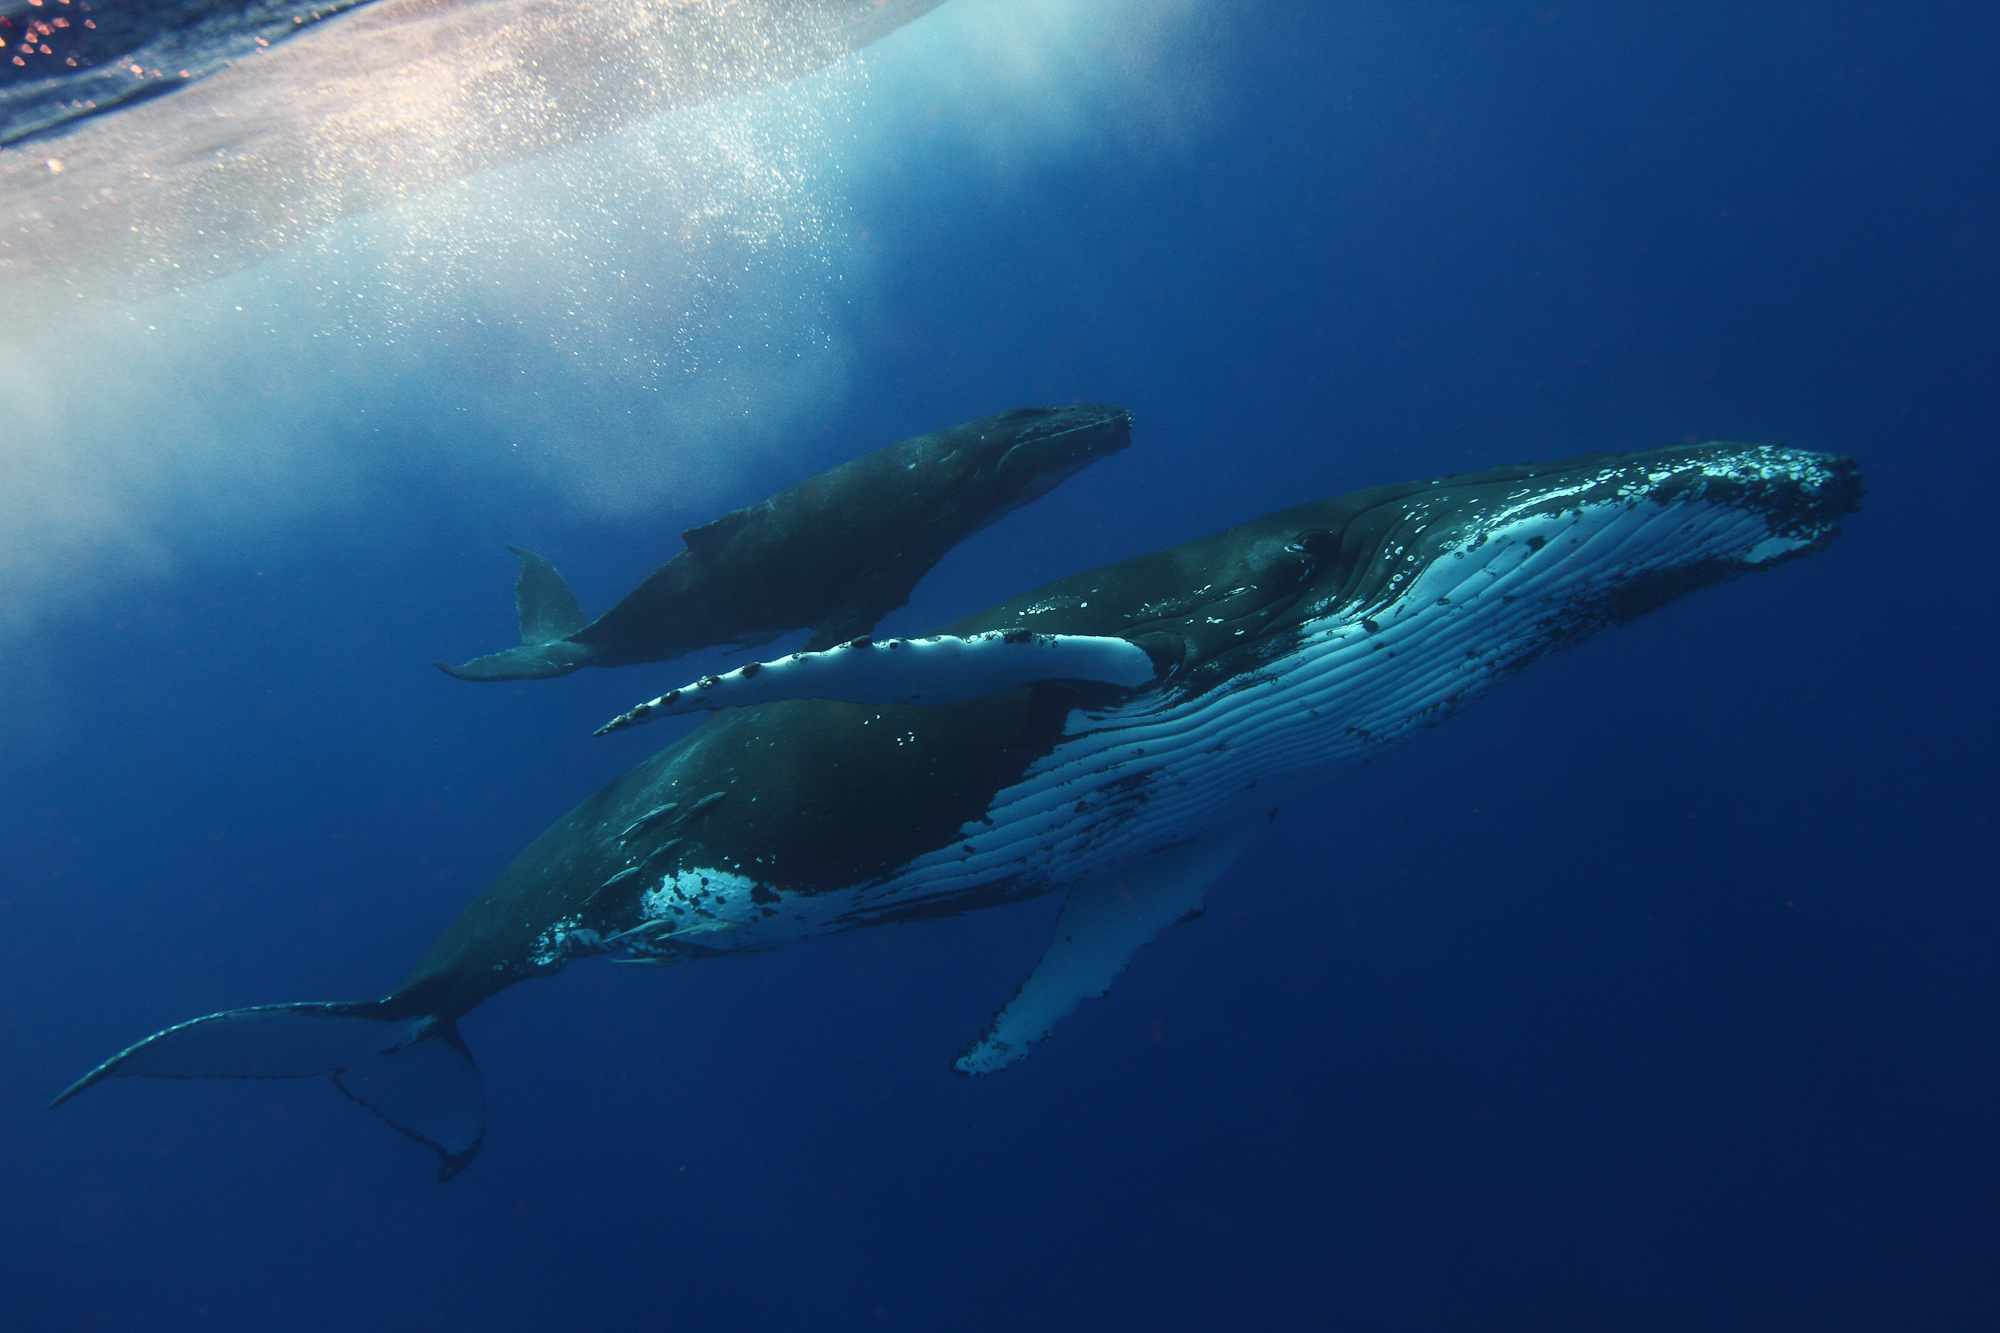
[1660, 991]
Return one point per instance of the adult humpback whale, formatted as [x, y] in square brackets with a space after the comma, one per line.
[1288, 650]
[835, 553]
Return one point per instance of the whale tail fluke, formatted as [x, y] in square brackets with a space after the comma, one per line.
[547, 607]
[410, 1070]
[549, 615]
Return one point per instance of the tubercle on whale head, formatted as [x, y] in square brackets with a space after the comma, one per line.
[1794, 499]
[1804, 495]
[1347, 557]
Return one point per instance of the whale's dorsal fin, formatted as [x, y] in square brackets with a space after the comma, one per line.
[708, 536]
[842, 624]
[547, 607]
[1104, 922]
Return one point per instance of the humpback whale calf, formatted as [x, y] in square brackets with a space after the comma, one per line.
[835, 553]
[1283, 652]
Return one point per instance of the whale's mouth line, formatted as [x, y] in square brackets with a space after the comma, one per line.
[1063, 422]
[1033, 443]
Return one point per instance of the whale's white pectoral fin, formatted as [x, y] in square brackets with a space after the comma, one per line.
[1104, 923]
[938, 669]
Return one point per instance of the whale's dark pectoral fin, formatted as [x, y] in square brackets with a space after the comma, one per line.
[412, 1072]
[747, 642]
[1104, 922]
[547, 607]
[841, 625]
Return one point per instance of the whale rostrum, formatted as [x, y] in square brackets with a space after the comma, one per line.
[1304, 643]
[833, 554]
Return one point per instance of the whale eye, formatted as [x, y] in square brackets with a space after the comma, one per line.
[1313, 541]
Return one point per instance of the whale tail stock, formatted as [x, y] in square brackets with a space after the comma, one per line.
[549, 614]
[411, 1070]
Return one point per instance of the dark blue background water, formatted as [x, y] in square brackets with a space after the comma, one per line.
[1660, 991]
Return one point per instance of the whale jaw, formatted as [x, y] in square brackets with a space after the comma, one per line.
[1469, 580]
[1465, 585]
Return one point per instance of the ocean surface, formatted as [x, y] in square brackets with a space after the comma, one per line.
[1659, 991]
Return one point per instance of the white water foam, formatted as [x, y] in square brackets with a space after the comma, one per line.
[648, 316]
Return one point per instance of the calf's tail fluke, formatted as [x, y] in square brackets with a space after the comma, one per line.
[412, 1071]
[549, 615]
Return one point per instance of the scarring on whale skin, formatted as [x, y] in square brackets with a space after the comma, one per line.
[1287, 651]
[835, 553]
